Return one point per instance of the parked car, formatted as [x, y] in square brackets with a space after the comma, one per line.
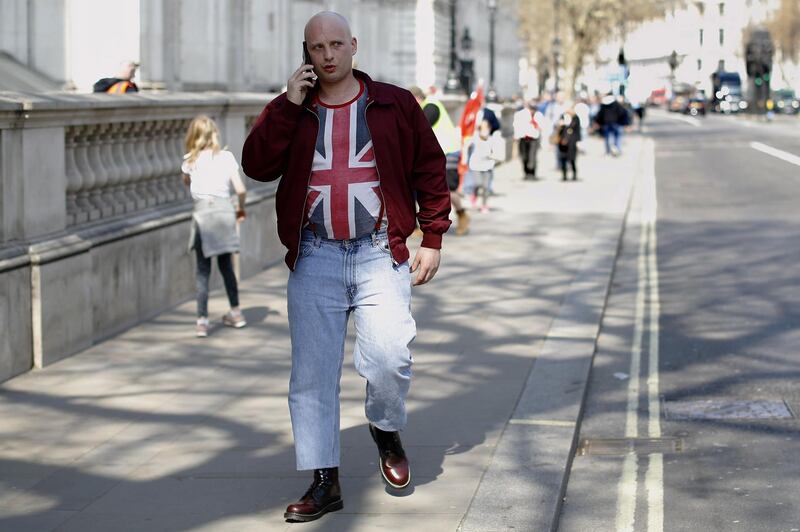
[696, 106]
[785, 101]
[678, 103]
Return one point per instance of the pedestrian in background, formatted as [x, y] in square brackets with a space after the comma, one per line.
[483, 153]
[610, 119]
[528, 131]
[639, 109]
[121, 83]
[352, 155]
[583, 112]
[567, 136]
[447, 135]
[212, 175]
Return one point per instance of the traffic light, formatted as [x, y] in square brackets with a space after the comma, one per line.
[758, 59]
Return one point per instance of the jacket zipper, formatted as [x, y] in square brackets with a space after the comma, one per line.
[305, 198]
[380, 184]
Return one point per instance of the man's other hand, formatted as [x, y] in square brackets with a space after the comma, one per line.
[425, 265]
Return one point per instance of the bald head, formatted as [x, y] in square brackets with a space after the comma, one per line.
[326, 21]
[331, 47]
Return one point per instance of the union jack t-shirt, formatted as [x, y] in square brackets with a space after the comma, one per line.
[344, 198]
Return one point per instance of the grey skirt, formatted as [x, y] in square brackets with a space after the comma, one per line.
[215, 219]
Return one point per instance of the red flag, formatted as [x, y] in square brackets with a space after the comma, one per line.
[471, 109]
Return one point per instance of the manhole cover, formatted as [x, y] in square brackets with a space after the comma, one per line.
[714, 409]
[619, 446]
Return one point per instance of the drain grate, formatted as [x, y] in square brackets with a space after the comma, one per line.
[621, 446]
[720, 410]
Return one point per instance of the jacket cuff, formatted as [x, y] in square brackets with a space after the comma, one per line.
[432, 241]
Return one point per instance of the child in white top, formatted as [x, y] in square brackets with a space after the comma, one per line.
[483, 156]
[213, 177]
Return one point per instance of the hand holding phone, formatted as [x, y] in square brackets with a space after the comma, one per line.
[303, 79]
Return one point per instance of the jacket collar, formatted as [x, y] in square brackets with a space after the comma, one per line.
[375, 91]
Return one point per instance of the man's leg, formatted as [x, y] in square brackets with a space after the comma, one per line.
[318, 310]
[318, 323]
[607, 138]
[384, 330]
[524, 153]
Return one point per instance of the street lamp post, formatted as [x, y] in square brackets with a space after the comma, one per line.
[491, 95]
[466, 62]
[452, 84]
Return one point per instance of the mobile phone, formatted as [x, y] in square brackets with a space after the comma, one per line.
[307, 60]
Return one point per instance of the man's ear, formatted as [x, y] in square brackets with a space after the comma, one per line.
[354, 42]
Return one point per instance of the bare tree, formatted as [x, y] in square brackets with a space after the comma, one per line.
[784, 26]
[581, 26]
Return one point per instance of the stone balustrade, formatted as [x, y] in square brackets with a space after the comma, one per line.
[94, 216]
[122, 167]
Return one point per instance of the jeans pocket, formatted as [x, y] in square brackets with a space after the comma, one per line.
[383, 245]
[307, 248]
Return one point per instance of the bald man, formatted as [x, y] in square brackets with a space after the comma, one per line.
[353, 155]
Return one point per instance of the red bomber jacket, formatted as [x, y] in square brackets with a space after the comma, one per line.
[410, 164]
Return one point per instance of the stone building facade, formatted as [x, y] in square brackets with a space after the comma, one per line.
[248, 45]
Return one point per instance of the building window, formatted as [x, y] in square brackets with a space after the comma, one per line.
[721, 37]
[701, 37]
[699, 64]
[721, 9]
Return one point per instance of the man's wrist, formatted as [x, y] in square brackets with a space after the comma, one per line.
[432, 241]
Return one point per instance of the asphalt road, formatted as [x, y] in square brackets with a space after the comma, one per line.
[691, 420]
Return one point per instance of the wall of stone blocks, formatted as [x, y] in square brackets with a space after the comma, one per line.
[82, 289]
[15, 322]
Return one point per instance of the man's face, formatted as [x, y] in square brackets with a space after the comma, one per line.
[331, 49]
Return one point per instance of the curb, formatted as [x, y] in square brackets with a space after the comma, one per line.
[523, 487]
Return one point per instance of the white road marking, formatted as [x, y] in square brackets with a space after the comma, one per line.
[654, 485]
[687, 119]
[626, 494]
[775, 152]
[542, 422]
[646, 317]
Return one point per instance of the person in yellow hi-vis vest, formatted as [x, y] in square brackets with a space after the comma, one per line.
[122, 83]
[447, 135]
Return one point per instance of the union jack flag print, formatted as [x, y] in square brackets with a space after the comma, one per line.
[344, 199]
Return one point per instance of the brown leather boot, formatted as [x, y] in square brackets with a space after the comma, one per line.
[462, 225]
[393, 462]
[323, 496]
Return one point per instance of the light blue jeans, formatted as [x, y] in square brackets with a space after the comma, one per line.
[333, 279]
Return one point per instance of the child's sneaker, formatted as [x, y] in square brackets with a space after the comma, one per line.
[234, 319]
[202, 327]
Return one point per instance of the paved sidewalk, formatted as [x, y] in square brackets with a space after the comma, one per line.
[155, 430]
